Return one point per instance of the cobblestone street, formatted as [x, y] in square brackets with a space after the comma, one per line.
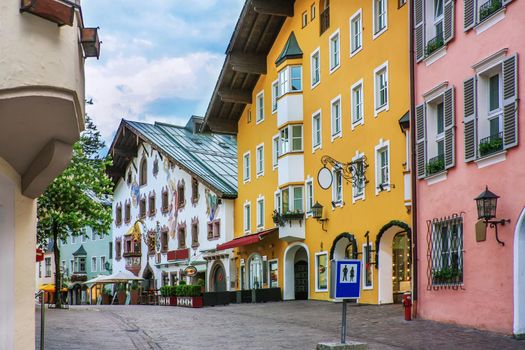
[285, 325]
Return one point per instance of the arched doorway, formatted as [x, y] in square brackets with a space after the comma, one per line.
[296, 272]
[344, 247]
[218, 278]
[255, 272]
[519, 277]
[393, 261]
[149, 279]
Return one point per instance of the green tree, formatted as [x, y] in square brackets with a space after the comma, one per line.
[79, 197]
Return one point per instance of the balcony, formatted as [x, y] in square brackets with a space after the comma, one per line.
[289, 109]
[488, 8]
[434, 44]
[291, 168]
[90, 42]
[292, 227]
[436, 165]
[59, 12]
[490, 145]
[324, 21]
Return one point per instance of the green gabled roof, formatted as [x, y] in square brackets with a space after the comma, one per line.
[291, 50]
[80, 251]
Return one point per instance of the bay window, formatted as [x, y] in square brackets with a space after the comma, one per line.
[292, 199]
[291, 139]
[290, 80]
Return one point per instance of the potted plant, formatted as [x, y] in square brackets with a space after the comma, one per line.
[121, 293]
[106, 296]
[134, 293]
[189, 296]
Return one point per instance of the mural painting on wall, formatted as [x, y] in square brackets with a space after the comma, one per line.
[136, 230]
[173, 211]
[135, 193]
[212, 204]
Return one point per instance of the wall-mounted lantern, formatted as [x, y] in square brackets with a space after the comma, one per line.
[487, 203]
[317, 214]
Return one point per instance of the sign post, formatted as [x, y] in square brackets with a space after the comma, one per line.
[345, 282]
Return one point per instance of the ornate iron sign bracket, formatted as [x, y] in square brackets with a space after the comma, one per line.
[352, 171]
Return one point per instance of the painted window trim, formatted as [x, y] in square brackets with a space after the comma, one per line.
[246, 177]
[102, 268]
[275, 97]
[258, 107]
[358, 13]
[260, 173]
[378, 34]
[275, 165]
[352, 88]
[337, 204]
[318, 52]
[316, 262]
[309, 179]
[259, 200]
[386, 107]
[340, 133]
[320, 145]
[269, 263]
[337, 33]
[247, 223]
[94, 258]
[363, 259]
[382, 144]
[362, 197]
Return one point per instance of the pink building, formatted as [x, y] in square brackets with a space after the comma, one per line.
[470, 66]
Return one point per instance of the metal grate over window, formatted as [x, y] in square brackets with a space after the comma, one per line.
[445, 253]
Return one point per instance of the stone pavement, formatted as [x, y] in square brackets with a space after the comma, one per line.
[285, 325]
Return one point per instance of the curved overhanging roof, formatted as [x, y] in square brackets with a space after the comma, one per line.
[257, 28]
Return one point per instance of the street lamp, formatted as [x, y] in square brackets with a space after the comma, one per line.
[487, 203]
[317, 213]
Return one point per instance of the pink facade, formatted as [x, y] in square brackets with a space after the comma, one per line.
[460, 280]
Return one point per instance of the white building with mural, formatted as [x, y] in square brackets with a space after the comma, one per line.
[173, 203]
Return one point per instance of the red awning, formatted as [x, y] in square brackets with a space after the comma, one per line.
[245, 240]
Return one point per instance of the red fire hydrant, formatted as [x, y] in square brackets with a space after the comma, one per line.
[407, 304]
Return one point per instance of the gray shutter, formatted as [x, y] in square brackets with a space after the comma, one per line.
[470, 119]
[448, 23]
[470, 14]
[421, 142]
[419, 31]
[450, 116]
[510, 103]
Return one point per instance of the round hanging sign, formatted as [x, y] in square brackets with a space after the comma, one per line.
[190, 271]
[324, 178]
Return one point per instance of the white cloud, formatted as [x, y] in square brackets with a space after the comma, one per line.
[123, 87]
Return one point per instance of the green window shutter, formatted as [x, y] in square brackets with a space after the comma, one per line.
[450, 116]
[470, 119]
[421, 142]
[470, 9]
[510, 102]
[419, 31]
[448, 23]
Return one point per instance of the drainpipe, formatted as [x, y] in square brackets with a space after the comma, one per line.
[413, 160]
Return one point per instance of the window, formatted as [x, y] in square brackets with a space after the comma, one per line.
[259, 107]
[155, 167]
[181, 199]
[305, 18]
[293, 143]
[380, 17]
[438, 18]
[118, 214]
[381, 88]
[316, 130]
[382, 167]
[273, 272]
[337, 193]
[195, 233]
[194, 190]
[63, 267]
[278, 203]
[182, 236]
[367, 267]
[83, 237]
[356, 33]
[165, 200]
[102, 263]
[247, 217]
[127, 212]
[93, 264]
[359, 181]
[315, 67]
[292, 199]
[48, 267]
[447, 251]
[73, 239]
[290, 80]
[210, 230]
[82, 263]
[118, 249]
[335, 47]
[495, 103]
[128, 179]
[275, 94]
[309, 196]
[336, 118]
[321, 268]
[216, 228]
[249, 116]
[275, 152]
[246, 166]
[259, 160]
[357, 103]
[142, 207]
[152, 209]
[40, 270]
[312, 12]
[260, 213]
[401, 3]
[72, 266]
[164, 241]
[143, 171]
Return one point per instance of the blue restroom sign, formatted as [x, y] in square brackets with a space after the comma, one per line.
[345, 278]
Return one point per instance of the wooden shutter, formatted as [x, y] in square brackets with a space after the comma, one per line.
[448, 23]
[470, 118]
[510, 102]
[470, 9]
[419, 31]
[450, 116]
[421, 142]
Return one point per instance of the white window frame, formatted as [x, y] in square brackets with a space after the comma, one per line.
[337, 202]
[317, 52]
[316, 262]
[246, 166]
[268, 278]
[259, 160]
[277, 201]
[362, 196]
[260, 218]
[337, 34]
[275, 95]
[259, 108]
[275, 152]
[379, 147]
[357, 16]
[291, 197]
[320, 145]
[285, 87]
[290, 139]
[378, 109]
[309, 192]
[339, 134]
[313, 12]
[304, 20]
[247, 221]
[359, 84]
[94, 259]
[365, 287]
[102, 265]
[377, 34]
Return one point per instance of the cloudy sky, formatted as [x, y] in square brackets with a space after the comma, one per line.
[160, 58]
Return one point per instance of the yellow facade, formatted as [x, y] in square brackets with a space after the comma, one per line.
[376, 210]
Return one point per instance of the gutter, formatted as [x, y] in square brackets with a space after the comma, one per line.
[415, 259]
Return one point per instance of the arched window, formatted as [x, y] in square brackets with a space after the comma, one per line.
[255, 272]
[143, 171]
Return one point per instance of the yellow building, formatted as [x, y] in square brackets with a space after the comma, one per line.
[309, 85]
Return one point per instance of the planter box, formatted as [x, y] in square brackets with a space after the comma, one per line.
[121, 297]
[134, 300]
[193, 302]
[216, 298]
[106, 299]
[267, 294]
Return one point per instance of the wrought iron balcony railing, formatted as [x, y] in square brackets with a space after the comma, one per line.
[488, 8]
[435, 44]
[436, 164]
[491, 144]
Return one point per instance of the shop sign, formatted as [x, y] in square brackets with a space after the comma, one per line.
[190, 271]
